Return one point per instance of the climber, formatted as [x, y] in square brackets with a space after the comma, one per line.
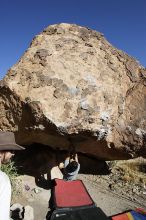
[70, 167]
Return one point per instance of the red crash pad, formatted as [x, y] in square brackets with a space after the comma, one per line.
[71, 194]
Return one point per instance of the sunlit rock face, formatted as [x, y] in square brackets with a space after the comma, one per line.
[72, 85]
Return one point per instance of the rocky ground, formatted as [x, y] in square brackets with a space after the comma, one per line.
[112, 193]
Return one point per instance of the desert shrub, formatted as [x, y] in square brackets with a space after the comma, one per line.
[11, 170]
[133, 170]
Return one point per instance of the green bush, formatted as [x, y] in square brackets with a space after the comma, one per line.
[11, 170]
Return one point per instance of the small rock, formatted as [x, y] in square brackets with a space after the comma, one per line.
[36, 190]
[16, 211]
[28, 214]
[27, 188]
[16, 206]
[110, 186]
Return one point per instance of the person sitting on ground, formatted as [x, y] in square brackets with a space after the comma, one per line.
[7, 148]
[71, 167]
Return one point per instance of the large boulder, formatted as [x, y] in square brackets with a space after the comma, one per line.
[72, 85]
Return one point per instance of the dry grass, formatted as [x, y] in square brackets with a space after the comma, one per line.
[133, 171]
[11, 170]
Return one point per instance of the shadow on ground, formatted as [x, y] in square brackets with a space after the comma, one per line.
[38, 160]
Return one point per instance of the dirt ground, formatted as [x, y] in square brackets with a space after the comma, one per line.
[106, 185]
[109, 200]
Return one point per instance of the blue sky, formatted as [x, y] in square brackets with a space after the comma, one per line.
[122, 22]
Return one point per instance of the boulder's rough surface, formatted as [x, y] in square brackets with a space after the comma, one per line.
[71, 82]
